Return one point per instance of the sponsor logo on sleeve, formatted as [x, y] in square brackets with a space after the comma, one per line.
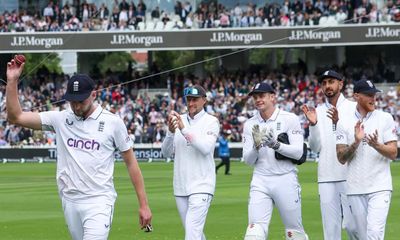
[294, 132]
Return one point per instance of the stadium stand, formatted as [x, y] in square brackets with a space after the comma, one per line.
[128, 16]
[145, 114]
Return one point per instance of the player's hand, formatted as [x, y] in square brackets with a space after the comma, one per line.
[145, 217]
[268, 139]
[257, 137]
[359, 132]
[310, 114]
[372, 139]
[172, 122]
[175, 121]
[333, 114]
[14, 71]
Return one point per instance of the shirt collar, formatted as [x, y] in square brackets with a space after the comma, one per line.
[96, 113]
[340, 100]
[197, 116]
[272, 118]
[359, 116]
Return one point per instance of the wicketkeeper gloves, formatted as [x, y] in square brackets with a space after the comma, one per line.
[270, 141]
[264, 137]
[257, 136]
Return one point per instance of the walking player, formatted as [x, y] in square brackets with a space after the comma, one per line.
[87, 137]
[331, 174]
[224, 152]
[274, 181]
[192, 138]
[367, 141]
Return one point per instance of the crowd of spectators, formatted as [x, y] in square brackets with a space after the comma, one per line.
[145, 116]
[125, 15]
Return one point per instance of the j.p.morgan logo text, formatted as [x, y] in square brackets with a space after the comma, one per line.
[27, 41]
[378, 32]
[132, 39]
[325, 36]
[233, 37]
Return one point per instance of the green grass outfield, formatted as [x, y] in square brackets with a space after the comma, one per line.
[30, 207]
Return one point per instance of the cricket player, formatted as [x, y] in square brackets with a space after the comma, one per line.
[323, 120]
[87, 137]
[367, 141]
[191, 138]
[274, 181]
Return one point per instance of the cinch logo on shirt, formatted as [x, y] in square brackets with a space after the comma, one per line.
[83, 144]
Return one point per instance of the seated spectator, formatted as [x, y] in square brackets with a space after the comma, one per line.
[224, 20]
[155, 14]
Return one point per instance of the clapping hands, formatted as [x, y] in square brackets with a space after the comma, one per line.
[264, 137]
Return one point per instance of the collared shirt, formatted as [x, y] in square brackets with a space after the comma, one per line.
[264, 159]
[368, 171]
[193, 146]
[85, 153]
[322, 139]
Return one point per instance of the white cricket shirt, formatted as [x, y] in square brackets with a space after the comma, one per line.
[368, 171]
[264, 159]
[194, 166]
[85, 153]
[322, 139]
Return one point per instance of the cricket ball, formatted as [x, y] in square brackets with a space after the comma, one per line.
[19, 59]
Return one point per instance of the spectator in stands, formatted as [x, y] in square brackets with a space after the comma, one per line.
[3, 142]
[155, 14]
[48, 12]
[13, 135]
[123, 5]
[237, 15]
[158, 134]
[103, 12]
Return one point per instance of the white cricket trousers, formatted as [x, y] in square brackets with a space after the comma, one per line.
[283, 191]
[335, 211]
[370, 212]
[193, 210]
[88, 221]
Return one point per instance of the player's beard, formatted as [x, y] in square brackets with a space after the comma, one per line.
[193, 111]
[82, 113]
[331, 93]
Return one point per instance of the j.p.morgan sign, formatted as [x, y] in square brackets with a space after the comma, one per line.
[267, 37]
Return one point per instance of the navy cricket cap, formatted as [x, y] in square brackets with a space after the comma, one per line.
[364, 86]
[262, 88]
[330, 74]
[194, 91]
[79, 88]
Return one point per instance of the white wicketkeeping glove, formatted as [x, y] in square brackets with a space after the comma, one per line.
[257, 136]
[268, 139]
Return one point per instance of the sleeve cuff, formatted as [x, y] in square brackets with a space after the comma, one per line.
[170, 134]
[184, 131]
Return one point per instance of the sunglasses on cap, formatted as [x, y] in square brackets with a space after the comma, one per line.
[193, 92]
[190, 90]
